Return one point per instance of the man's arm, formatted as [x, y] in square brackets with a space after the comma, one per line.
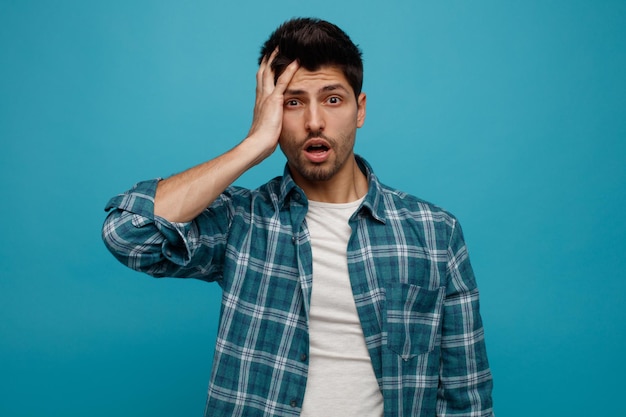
[159, 227]
[465, 380]
[182, 197]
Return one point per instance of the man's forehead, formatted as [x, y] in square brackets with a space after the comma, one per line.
[324, 77]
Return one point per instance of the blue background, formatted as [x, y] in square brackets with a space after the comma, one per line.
[512, 115]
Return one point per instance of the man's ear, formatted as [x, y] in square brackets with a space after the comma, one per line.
[360, 112]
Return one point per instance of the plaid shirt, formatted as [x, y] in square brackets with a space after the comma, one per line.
[413, 285]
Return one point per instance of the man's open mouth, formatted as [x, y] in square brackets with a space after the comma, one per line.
[317, 148]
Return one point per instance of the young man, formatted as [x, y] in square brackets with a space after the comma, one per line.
[341, 296]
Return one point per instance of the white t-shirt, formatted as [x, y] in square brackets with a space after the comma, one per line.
[341, 380]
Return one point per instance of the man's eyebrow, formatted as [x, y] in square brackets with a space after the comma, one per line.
[333, 87]
[326, 88]
[291, 92]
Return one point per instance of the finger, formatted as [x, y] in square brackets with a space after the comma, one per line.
[259, 80]
[261, 83]
[285, 78]
[266, 64]
[272, 56]
[268, 73]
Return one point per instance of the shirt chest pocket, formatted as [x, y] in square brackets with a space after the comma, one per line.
[412, 318]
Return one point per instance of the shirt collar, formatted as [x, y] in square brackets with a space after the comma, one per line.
[372, 203]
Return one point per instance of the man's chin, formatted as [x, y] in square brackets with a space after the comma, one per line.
[314, 172]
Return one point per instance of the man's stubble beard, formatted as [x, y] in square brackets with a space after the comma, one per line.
[342, 150]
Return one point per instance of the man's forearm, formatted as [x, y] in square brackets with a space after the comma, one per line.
[182, 197]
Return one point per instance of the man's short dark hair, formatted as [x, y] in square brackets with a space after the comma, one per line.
[315, 43]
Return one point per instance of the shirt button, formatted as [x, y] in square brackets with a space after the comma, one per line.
[293, 239]
[303, 357]
[296, 196]
[293, 403]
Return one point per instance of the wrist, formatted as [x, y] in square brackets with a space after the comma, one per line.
[256, 148]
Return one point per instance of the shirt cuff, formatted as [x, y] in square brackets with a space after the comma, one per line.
[138, 200]
[179, 239]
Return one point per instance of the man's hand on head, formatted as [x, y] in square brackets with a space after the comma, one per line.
[268, 108]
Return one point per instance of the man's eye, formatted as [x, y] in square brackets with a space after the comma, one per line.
[334, 100]
[291, 103]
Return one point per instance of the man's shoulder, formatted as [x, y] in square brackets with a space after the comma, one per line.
[412, 206]
[400, 204]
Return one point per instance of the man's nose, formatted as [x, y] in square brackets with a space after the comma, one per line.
[314, 118]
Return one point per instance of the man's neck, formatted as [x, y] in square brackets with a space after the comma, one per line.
[345, 187]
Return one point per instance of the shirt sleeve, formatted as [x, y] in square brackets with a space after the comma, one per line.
[151, 244]
[465, 378]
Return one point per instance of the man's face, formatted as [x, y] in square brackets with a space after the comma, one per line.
[320, 118]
